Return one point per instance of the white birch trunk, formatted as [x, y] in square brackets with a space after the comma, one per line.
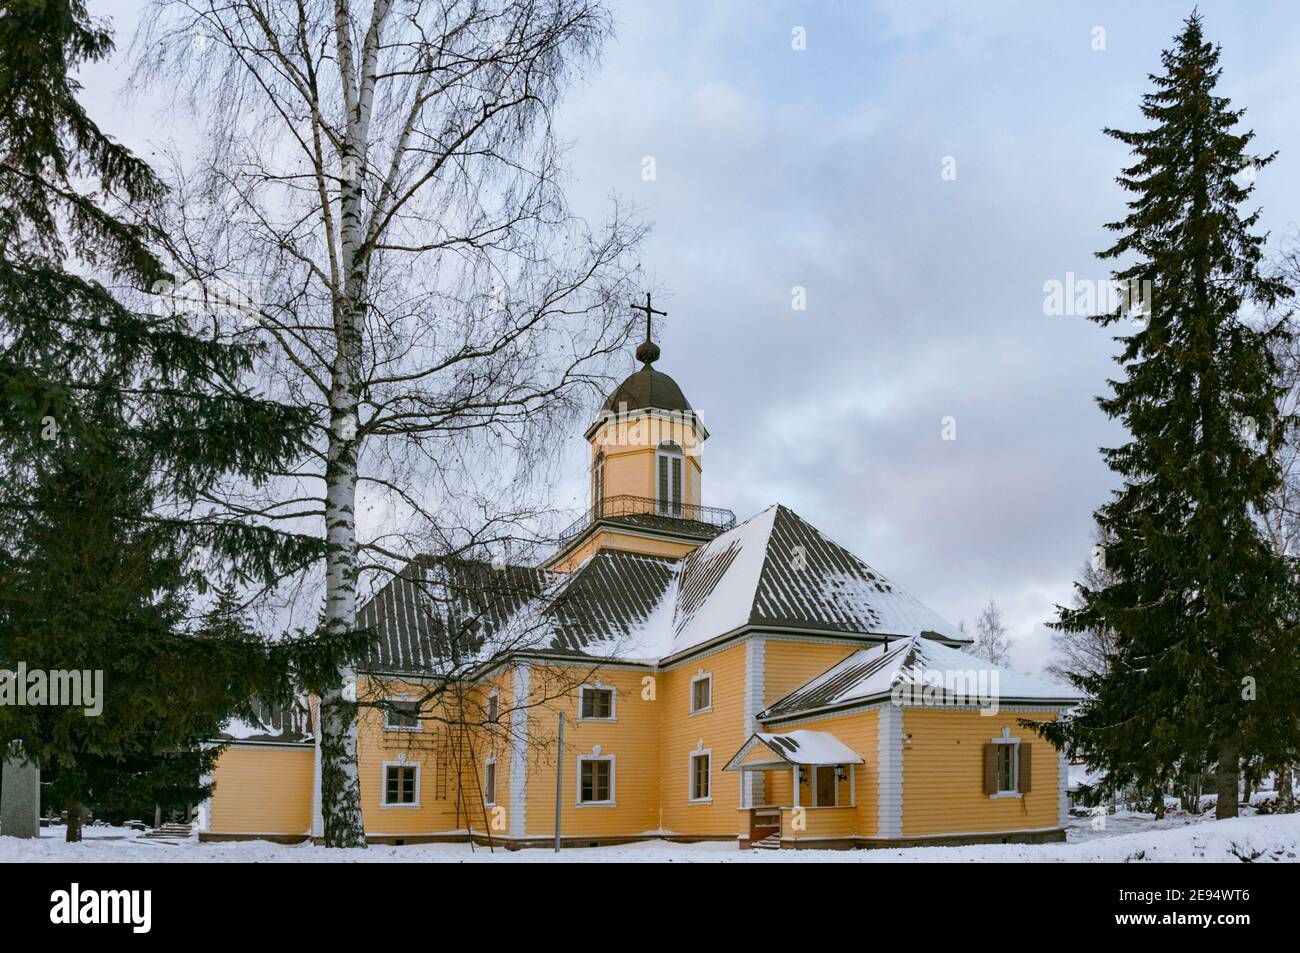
[340, 780]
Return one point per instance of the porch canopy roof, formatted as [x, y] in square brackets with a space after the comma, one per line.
[794, 748]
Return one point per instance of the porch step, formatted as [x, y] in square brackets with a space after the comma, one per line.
[770, 842]
[171, 829]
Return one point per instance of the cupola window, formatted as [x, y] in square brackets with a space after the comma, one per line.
[669, 461]
[598, 485]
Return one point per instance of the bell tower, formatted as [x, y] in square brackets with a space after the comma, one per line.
[646, 470]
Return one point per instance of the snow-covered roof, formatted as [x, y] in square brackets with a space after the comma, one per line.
[775, 570]
[1083, 776]
[798, 747]
[290, 724]
[872, 673]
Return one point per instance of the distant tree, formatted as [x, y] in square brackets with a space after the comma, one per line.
[1086, 652]
[1204, 668]
[991, 643]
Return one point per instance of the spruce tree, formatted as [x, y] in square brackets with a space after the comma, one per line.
[115, 420]
[1203, 671]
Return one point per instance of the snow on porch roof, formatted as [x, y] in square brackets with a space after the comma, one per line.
[798, 747]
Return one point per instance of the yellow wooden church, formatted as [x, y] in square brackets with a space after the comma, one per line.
[755, 683]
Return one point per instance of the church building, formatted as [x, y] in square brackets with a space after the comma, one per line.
[665, 672]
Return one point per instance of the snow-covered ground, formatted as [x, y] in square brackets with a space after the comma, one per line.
[1126, 837]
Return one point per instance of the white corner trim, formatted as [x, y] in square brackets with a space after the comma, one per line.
[755, 690]
[889, 755]
[519, 752]
[317, 808]
[1063, 786]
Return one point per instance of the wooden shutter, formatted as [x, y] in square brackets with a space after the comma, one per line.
[990, 769]
[1026, 762]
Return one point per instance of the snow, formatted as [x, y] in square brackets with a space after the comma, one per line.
[809, 747]
[730, 601]
[932, 655]
[912, 662]
[897, 612]
[1273, 838]
[651, 640]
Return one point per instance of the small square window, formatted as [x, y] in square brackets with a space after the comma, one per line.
[597, 703]
[402, 716]
[399, 784]
[702, 693]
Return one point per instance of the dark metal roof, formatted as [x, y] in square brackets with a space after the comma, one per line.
[798, 553]
[609, 595]
[435, 615]
[443, 617]
[647, 389]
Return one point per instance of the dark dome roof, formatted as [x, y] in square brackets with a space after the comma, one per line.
[647, 389]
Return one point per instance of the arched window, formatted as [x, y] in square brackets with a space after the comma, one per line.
[598, 484]
[669, 466]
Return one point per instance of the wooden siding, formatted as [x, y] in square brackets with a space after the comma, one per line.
[632, 738]
[858, 730]
[943, 774]
[790, 664]
[722, 730]
[262, 790]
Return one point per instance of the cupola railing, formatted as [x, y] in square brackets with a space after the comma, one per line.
[648, 512]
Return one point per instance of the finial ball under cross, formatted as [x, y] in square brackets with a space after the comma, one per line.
[647, 352]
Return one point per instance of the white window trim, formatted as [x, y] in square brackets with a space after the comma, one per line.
[613, 701]
[494, 695]
[702, 677]
[577, 778]
[491, 762]
[690, 776]
[1014, 791]
[418, 726]
[383, 785]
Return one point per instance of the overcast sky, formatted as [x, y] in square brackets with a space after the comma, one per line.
[823, 168]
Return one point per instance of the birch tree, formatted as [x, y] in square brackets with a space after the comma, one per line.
[386, 176]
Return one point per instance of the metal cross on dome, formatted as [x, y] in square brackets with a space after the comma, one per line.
[649, 310]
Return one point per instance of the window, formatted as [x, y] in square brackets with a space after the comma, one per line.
[493, 708]
[701, 693]
[598, 484]
[669, 462]
[595, 780]
[597, 703]
[700, 763]
[401, 785]
[1006, 761]
[490, 781]
[1007, 764]
[401, 715]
